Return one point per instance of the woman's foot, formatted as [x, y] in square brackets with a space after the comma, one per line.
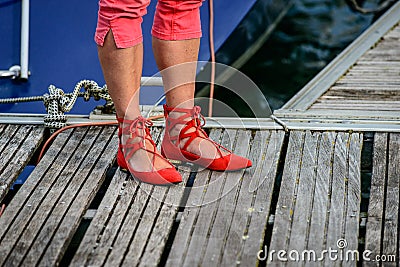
[138, 154]
[185, 140]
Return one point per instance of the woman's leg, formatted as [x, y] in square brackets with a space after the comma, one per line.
[122, 69]
[176, 39]
[177, 61]
[120, 51]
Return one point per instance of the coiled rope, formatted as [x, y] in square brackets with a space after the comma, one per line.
[57, 102]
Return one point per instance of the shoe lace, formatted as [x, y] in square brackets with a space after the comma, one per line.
[142, 123]
[200, 122]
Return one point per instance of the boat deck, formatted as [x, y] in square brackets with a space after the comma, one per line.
[322, 191]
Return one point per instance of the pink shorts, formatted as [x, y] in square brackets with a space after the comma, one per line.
[173, 20]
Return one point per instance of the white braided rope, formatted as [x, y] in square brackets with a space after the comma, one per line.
[57, 102]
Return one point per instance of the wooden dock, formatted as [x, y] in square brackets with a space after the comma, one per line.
[76, 208]
[360, 86]
[324, 191]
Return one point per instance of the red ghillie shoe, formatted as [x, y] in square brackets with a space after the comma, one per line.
[134, 128]
[171, 144]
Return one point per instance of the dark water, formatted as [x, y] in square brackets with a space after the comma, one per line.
[311, 34]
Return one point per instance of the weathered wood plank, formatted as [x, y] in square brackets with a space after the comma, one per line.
[338, 195]
[227, 206]
[371, 70]
[385, 49]
[380, 63]
[125, 222]
[387, 45]
[112, 249]
[238, 232]
[353, 200]
[107, 231]
[321, 199]
[24, 241]
[15, 158]
[367, 87]
[365, 79]
[13, 145]
[373, 239]
[286, 201]
[156, 196]
[391, 232]
[348, 106]
[162, 228]
[8, 131]
[382, 56]
[380, 91]
[388, 49]
[80, 194]
[140, 234]
[208, 210]
[204, 221]
[335, 104]
[2, 127]
[197, 198]
[384, 71]
[394, 33]
[105, 224]
[371, 76]
[379, 100]
[155, 225]
[258, 184]
[305, 194]
[337, 100]
[53, 232]
[359, 82]
[357, 97]
[23, 206]
[157, 231]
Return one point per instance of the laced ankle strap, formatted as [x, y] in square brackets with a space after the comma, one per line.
[194, 114]
[133, 127]
[197, 121]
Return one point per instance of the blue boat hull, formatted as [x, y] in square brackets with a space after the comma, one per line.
[62, 50]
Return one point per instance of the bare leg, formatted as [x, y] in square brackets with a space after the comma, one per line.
[122, 69]
[179, 80]
[179, 83]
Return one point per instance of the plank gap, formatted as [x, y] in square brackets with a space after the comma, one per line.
[328, 208]
[95, 203]
[366, 173]
[275, 196]
[385, 192]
